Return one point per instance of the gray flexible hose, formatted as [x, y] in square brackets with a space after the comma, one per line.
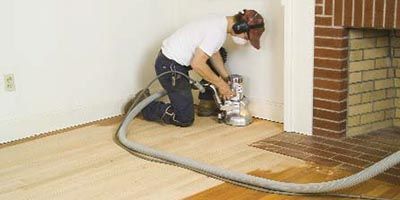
[246, 179]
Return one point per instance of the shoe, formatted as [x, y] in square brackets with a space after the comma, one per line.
[207, 108]
[136, 99]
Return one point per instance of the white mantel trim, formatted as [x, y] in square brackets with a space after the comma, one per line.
[298, 65]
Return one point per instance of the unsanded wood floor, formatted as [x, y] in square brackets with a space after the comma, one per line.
[314, 173]
[86, 163]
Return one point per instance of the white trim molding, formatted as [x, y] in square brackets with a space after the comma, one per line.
[265, 109]
[31, 126]
[298, 65]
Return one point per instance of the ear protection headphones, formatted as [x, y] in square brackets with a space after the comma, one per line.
[243, 27]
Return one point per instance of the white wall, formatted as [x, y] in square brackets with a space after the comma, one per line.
[74, 61]
[77, 61]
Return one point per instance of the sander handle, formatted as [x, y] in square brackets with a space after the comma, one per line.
[216, 96]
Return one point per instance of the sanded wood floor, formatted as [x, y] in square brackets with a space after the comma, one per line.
[86, 163]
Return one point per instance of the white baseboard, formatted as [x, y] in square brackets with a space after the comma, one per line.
[264, 109]
[16, 129]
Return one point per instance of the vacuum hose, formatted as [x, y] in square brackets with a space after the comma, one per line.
[241, 178]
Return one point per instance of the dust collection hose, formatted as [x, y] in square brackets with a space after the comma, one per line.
[242, 179]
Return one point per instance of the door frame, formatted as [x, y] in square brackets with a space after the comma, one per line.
[298, 65]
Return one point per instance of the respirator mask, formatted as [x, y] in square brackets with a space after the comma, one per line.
[239, 40]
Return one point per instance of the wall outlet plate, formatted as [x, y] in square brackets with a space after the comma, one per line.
[9, 82]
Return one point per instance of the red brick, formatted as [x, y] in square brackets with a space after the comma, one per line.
[372, 143]
[330, 125]
[318, 152]
[329, 84]
[330, 115]
[370, 151]
[285, 144]
[335, 75]
[322, 161]
[388, 178]
[318, 10]
[331, 32]
[348, 12]
[358, 9]
[334, 43]
[389, 18]
[351, 160]
[350, 168]
[330, 64]
[368, 11]
[331, 53]
[330, 134]
[328, 7]
[338, 13]
[343, 151]
[291, 153]
[371, 158]
[379, 14]
[335, 143]
[312, 142]
[323, 21]
[398, 16]
[330, 95]
[329, 105]
[393, 171]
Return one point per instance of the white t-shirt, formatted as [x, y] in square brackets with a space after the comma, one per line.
[208, 34]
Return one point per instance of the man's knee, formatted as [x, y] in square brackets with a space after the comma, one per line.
[185, 123]
[184, 120]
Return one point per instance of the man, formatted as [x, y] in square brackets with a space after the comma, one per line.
[190, 48]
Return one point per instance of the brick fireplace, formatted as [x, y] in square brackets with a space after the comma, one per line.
[355, 65]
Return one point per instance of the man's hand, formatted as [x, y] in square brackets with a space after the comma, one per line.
[200, 66]
[225, 91]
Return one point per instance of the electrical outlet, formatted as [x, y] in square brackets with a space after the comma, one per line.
[9, 82]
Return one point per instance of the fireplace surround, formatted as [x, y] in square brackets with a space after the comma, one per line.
[340, 25]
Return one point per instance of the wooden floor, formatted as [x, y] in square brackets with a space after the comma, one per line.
[372, 188]
[86, 163]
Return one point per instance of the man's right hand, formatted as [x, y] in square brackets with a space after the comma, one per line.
[199, 65]
[225, 91]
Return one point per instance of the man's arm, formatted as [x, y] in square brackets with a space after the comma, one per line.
[218, 64]
[199, 65]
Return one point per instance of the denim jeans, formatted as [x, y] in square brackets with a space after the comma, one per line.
[180, 111]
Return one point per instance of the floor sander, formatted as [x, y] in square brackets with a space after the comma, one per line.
[235, 112]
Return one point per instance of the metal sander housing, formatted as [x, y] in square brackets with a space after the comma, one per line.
[234, 111]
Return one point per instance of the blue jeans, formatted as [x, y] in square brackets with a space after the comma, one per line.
[180, 111]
